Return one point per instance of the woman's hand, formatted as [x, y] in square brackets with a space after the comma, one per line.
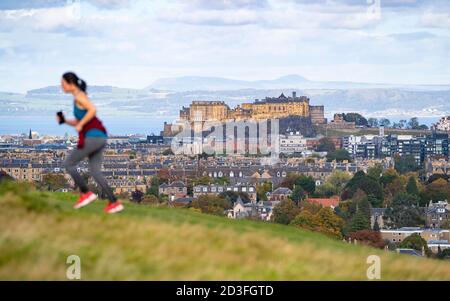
[79, 127]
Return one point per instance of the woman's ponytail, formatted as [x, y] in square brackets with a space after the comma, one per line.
[72, 78]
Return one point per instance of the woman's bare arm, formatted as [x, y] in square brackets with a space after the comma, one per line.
[85, 103]
[72, 122]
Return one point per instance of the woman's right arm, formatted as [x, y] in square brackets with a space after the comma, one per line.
[72, 122]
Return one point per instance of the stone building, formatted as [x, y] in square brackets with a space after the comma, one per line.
[270, 107]
[338, 122]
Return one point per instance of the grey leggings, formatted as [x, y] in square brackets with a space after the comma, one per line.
[93, 149]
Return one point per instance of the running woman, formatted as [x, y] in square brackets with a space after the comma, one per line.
[92, 138]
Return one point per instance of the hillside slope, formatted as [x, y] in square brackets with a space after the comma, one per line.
[39, 230]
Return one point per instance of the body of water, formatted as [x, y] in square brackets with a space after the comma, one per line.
[115, 125]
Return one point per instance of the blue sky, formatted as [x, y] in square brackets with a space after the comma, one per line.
[131, 43]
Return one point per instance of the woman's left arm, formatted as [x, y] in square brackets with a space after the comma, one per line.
[84, 101]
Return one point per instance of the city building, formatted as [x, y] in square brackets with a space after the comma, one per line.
[437, 214]
[214, 189]
[292, 143]
[174, 190]
[325, 202]
[443, 124]
[280, 194]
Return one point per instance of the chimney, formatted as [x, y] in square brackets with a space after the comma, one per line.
[294, 94]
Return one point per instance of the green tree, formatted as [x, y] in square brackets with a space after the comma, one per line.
[411, 186]
[211, 204]
[325, 145]
[262, 190]
[149, 199]
[384, 122]
[154, 187]
[375, 172]
[306, 182]
[285, 211]
[438, 190]
[54, 181]
[339, 155]
[372, 122]
[405, 164]
[416, 242]
[298, 194]
[357, 118]
[359, 222]
[403, 212]
[370, 187]
[413, 123]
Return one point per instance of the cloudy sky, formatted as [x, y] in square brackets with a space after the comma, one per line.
[132, 43]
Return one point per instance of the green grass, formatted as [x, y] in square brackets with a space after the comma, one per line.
[40, 229]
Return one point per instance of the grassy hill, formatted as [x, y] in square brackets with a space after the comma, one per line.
[39, 230]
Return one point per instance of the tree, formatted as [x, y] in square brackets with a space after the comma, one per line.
[154, 187]
[369, 238]
[285, 211]
[438, 190]
[335, 183]
[384, 122]
[359, 222]
[211, 204]
[137, 195]
[262, 190]
[149, 200]
[324, 221]
[375, 172]
[306, 220]
[54, 181]
[403, 212]
[411, 186]
[298, 194]
[416, 242]
[372, 122]
[339, 155]
[370, 187]
[388, 176]
[330, 223]
[325, 145]
[306, 182]
[357, 118]
[413, 123]
[405, 164]
[445, 254]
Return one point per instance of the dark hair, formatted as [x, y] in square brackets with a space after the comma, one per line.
[72, 78]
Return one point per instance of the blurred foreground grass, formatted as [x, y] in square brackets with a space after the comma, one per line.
[40, 229]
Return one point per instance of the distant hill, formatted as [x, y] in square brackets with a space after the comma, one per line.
[190, 83]
[160, 243]
[204, 83]
[91, 89]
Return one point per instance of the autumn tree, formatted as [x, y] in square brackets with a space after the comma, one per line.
[285, 211]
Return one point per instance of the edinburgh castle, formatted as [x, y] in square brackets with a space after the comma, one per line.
[271, 107]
